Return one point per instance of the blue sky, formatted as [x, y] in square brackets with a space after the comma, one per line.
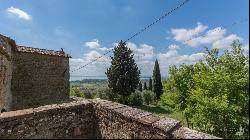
[88, 28]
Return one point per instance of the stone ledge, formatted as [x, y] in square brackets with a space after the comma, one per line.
[186, 133]
[167, 124]
[145, 123]
[170, 127]
[12, 115]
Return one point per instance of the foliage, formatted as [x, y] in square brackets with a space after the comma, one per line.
[135, 99]
[148, 97]
[90, 95]
[145, 86]
[107, 94]
[150, 86]
[157, 85]
[140, 86]
[213, 94]
[123, 74]
[75, 91]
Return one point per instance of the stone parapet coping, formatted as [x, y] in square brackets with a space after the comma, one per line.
[168, 126]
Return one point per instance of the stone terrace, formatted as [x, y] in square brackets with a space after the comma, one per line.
[93, 118]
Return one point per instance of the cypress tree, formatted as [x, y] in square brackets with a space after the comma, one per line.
[140, 86]
[123, 74]
[145, 86]
[157, 85]
[150, 87]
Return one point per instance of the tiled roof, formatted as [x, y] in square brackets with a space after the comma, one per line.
[42, 51]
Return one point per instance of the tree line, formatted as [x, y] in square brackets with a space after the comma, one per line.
[212, 94]
[124, 75]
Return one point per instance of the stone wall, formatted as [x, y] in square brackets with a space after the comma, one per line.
[118, 121]
[5, 74]
[91, 119]
[68, 120]
[39, 79]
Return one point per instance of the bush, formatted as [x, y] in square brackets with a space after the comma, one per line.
[75, 91]
[106, 94]
[89, 95]
[148, 97]
[213, 94]
[135, 99]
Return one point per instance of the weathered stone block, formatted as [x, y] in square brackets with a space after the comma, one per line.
[166, 124]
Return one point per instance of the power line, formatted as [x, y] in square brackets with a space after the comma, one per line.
[218, 29]
[162, 17]
[138, 33]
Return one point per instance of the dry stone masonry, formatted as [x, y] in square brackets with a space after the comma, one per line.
[93, 118]
[31, 77]
[7, 46]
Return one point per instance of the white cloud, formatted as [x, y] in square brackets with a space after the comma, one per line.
[185, 34]
[210, 37]
[97, 68]
[141, 52]
[144, 56]
[199, 36]
[246, 48]
[172, 57]
[20, 13]
[94, 44]
[225, 42]
[173, 47]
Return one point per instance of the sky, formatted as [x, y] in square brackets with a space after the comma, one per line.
[86, 29]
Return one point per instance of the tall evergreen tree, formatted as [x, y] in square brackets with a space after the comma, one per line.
[140, 86]
[150, 86]
[145, 86]
[157, 85]
[123, 74]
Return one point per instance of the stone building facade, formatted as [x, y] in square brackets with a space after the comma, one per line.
[31, 77]
[7, 47]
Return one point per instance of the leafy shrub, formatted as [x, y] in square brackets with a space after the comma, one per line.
[89, 95]
[148, 97]
[135, 99]
[75, 91]
[106, 94]
[213, 94]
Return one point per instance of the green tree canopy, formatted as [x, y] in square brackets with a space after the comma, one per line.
[123, 74]
[150, 86]
[157, 84]
[145, 86]
[213, 94]
[140, 86]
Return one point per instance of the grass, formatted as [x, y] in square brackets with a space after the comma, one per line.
[164, 111]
